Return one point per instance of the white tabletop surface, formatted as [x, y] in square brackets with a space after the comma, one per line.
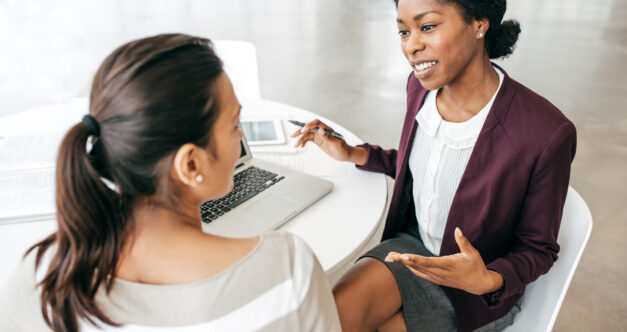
[338, 228]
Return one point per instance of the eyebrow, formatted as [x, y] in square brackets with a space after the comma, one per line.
[419, 16]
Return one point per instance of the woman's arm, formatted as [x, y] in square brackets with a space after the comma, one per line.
[367, 157]
[535, 235]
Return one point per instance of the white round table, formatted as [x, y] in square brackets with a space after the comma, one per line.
[339, 227]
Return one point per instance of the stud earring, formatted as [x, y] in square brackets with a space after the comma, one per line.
[480, 34]
[199, 178]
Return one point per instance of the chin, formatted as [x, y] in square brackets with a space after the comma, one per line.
[431, 84]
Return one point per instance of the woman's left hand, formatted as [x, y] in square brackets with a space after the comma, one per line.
[465, 271]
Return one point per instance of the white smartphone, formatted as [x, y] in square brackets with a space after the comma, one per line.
[263, 131]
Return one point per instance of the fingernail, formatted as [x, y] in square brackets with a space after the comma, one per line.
[405, 257]
[458, 232]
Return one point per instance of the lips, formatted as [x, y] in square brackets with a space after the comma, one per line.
[423, 65]
[422, 69]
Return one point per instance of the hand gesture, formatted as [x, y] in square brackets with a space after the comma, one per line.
[465, 271]
[333, 146]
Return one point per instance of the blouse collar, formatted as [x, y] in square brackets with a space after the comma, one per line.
[457, 135]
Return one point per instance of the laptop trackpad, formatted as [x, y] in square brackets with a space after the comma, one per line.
[272, 207]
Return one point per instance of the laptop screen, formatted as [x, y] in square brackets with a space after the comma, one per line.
[245, 150]
[243, 153]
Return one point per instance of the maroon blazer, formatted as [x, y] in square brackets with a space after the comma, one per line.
[510, 198]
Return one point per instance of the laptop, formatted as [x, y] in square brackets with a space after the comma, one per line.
[265, 196]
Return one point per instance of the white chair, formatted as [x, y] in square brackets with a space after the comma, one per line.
[543, 298]
[240, 64]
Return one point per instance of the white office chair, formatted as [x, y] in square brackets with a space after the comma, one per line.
[240, 64]
[543, 298]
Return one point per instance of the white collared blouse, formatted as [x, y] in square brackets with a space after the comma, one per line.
[437, 161]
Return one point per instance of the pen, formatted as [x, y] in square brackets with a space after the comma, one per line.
[330, 132]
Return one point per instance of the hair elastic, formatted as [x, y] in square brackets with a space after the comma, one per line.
[92, 125]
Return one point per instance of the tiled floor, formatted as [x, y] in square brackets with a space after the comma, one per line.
[341, 59]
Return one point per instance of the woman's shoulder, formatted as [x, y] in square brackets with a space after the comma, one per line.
[288, 246]
[530, 121]
[527, 103]
[272, 274]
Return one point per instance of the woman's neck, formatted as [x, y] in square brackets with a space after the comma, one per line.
[157, 236]
[469, 92]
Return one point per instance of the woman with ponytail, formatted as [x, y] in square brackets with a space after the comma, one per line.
[481, 176]
[161, 137]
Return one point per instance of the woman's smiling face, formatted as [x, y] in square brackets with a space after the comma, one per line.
[437, 40]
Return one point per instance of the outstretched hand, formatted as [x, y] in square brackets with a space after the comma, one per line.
[465, 270]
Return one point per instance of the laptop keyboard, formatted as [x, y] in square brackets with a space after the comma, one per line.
[247, 184]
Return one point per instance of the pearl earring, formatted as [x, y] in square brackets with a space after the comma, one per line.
[199, 178]
[480, 34]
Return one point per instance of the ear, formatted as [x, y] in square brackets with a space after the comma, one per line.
[186, 164]
[481, 27]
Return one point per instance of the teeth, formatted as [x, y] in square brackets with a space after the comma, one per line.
[424, 65]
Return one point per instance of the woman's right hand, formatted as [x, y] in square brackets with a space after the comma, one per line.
[335, 147]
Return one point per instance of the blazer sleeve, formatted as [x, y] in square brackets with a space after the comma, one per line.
[379, 160]
[535, 235]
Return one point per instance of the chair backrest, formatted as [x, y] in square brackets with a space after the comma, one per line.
[240, 63]
[543, 298]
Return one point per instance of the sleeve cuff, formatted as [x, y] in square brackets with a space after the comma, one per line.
[494, 298]
[511, 284]
[367, 166]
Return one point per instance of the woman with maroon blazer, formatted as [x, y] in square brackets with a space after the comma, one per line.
[479, 154]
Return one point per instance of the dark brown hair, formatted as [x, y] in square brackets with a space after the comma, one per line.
[501, 37]
[149, 97]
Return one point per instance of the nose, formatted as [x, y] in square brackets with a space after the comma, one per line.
[414, 44]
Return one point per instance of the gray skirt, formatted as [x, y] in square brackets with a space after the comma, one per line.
[425, 305]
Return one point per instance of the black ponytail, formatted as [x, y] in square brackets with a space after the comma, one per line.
[84, 258]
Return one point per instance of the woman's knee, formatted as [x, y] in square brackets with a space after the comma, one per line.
[361, 281]
[367, 295]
